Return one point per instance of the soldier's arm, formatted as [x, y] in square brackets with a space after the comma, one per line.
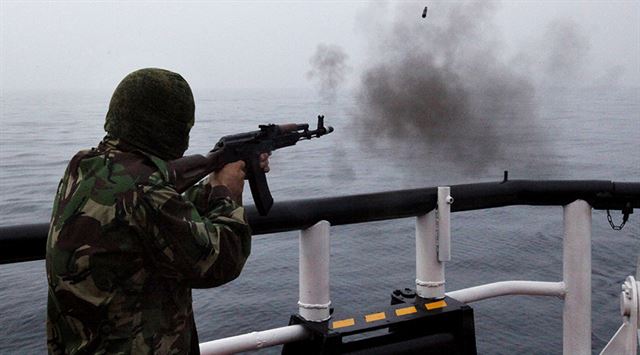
[205, 248]
[198, 195]
[233, 178]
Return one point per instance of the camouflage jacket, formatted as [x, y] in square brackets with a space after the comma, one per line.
[124, 250]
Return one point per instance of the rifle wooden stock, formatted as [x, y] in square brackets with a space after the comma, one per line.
[187, 171]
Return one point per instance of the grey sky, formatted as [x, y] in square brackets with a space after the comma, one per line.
[92, 45]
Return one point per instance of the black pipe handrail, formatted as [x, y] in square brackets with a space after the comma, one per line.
[27, 242]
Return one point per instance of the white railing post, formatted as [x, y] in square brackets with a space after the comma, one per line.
[433, 247]
[576, 317]
[314, 301]
[429, 271]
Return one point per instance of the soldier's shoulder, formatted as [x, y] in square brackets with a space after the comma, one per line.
[138, 165]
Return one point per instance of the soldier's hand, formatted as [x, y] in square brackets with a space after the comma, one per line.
[232, 176]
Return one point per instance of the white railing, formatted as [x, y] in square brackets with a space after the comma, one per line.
[432, 251]
[255, 340]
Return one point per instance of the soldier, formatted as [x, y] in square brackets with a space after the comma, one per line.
[124, 248]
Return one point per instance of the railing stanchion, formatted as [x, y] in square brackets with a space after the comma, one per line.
[314, 301]
[576, 318]
[433, 247]
[429, 271]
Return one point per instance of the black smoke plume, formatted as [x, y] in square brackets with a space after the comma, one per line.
[442, 87]
[328, 68]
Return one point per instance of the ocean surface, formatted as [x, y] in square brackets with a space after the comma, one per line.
[588, 134]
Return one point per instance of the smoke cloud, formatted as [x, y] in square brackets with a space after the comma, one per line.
[558, 57]
[328, 68]
[441, 86]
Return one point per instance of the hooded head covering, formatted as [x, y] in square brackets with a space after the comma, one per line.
[152, 109]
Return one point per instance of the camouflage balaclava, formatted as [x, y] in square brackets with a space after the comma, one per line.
[152, 109]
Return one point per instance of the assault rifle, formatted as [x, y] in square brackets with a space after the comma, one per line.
[186, 171]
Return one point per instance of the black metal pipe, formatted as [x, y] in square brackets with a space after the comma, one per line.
[23, 242]
[27, 242]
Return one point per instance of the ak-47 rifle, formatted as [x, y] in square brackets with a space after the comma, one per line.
[186, 171]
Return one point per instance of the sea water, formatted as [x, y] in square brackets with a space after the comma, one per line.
[589, 134]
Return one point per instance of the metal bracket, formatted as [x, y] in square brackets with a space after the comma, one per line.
[444, 223]
[625, 341]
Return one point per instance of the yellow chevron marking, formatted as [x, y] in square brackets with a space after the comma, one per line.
[405, 311]
[436, 305]
[343, 323]
[374, 317]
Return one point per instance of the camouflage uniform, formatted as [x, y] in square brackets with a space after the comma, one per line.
[124, 250]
